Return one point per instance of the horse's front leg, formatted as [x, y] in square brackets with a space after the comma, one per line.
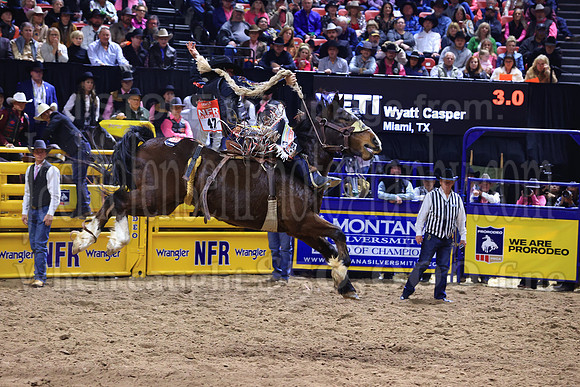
[91, 230]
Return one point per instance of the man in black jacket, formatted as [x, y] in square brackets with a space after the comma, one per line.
[277, 58]
[134, 52]
[553, 53]
[61, 131]
[5, 49]
[161, 54]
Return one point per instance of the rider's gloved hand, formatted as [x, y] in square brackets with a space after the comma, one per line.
[281, 153]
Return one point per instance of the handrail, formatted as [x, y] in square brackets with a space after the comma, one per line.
[22, 149]
[473, 134]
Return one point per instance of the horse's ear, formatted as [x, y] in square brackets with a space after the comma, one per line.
[341, 101]
[336, 99]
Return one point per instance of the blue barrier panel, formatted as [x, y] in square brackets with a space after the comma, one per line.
[380, 235]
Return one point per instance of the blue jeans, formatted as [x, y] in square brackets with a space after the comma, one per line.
[38, 232]
[431, 245]
[79, 170]
[281, 246]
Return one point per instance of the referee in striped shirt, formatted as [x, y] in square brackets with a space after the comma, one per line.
[441, 212]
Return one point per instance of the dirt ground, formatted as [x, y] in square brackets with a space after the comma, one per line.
[236, 330]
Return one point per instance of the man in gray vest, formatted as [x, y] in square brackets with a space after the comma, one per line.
[41, 198]
[441, 213]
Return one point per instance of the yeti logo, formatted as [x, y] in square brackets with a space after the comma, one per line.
[489, 244]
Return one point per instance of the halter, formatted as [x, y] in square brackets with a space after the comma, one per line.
[345, 131]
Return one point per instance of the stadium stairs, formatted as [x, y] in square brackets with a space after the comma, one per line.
[171, 19]
[570, 10]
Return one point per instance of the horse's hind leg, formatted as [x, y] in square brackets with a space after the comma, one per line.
[120, 234]
[338, 262]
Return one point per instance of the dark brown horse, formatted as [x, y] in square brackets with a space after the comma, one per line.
[151, 185]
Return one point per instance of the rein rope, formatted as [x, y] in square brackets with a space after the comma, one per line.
[259, 90]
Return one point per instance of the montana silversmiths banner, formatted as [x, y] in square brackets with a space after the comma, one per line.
[377, 241]
[430, 106]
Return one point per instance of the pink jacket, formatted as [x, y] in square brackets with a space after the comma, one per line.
[166, 128]
[535, 200]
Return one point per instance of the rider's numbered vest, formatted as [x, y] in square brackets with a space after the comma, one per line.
[208, 113]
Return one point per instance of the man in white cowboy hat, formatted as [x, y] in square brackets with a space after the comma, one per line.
[105, 52]
[233, 32]
[41, 199]
[25, 47]
[62, 132]
[14, 124]
[441, 213]
[161, 54]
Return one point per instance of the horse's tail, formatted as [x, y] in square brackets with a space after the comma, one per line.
[124, 155]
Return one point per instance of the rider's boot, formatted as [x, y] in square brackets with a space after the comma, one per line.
[312, 177]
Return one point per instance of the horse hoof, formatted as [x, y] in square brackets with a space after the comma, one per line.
[351, 296]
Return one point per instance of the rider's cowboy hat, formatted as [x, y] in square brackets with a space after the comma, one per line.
[43, 108]
[224, 63]
[18, 97]
[162, 33]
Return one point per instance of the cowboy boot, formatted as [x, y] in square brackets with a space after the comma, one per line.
[312, 176]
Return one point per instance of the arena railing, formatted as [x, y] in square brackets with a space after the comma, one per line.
[520, 241]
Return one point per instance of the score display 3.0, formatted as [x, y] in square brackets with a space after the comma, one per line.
[432, 106]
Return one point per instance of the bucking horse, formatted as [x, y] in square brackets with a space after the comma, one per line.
[150, 178]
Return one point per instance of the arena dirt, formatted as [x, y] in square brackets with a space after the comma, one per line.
[236, 330]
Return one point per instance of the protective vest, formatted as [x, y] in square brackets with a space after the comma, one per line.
[39, 195]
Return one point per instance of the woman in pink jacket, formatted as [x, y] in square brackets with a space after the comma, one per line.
[175, 125]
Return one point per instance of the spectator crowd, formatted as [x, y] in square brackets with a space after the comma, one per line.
[511, 40]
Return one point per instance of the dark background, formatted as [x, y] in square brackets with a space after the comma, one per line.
[554, 106]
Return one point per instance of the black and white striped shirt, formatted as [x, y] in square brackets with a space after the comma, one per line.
[440, 215]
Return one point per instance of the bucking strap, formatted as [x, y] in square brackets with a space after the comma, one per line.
[208, 182]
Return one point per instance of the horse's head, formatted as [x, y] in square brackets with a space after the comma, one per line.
[344, 131]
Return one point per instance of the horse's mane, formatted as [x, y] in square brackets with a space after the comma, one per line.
[124, 155]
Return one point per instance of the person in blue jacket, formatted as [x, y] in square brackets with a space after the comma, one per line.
[39, 91]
